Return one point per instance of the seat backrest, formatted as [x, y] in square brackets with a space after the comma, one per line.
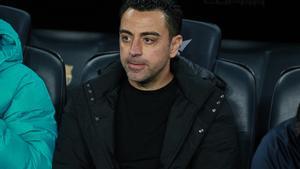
[74, 47]
[201, 42]
[286, 97]
[267, 60]
[97, 63]
[241, 96]
[19, 19]
[50, 67]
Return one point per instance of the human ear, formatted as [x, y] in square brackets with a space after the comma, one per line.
[176, 42]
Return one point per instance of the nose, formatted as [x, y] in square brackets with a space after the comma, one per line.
[136, 48]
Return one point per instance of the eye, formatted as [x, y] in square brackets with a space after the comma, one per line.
[125, 38]
[149, 41]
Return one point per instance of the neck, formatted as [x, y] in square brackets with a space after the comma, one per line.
[152, 84]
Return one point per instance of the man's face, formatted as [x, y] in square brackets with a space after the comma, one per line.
[146, 48]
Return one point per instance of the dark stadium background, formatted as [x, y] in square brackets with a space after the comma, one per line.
[260, 20]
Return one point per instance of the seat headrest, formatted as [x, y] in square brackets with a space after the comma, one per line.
[201, 42]
[19, 19]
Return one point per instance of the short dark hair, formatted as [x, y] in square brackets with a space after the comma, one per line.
[170, 8]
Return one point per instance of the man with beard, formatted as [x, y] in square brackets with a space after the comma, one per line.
[152, 109]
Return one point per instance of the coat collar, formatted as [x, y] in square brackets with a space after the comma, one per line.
[191, 78]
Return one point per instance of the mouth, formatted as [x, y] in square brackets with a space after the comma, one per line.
[136, 66]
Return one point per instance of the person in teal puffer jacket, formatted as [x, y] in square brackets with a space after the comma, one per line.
[27, 124]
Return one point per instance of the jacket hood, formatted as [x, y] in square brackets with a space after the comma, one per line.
[10, 46]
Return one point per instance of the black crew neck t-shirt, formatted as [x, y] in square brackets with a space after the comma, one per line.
[140, 125]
